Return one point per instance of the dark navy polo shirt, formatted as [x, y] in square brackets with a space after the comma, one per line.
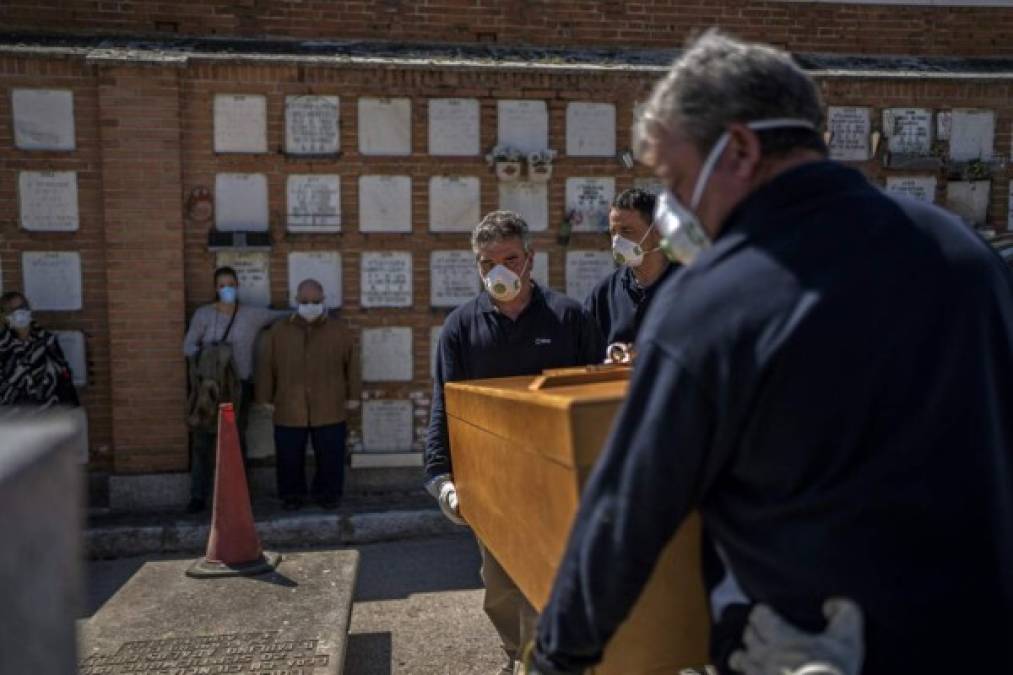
[831, 386]
[478, 341]
[618, 303]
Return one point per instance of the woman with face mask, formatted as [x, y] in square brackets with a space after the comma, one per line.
[33, 369]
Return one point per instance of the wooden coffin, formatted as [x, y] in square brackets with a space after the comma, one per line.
[522, 447]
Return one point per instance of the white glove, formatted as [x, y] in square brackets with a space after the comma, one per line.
[775, 647]
[445, 492]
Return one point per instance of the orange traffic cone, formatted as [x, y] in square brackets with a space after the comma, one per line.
[233, 544]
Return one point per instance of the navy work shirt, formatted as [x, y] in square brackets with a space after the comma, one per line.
[618, 303]
[831, 385]
[478, 341]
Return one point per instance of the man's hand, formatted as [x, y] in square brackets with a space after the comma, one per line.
[445, 492]
[775, 647]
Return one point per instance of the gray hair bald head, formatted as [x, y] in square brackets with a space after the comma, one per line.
[497, 226]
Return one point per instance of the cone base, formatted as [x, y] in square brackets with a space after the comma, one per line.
[208, 569]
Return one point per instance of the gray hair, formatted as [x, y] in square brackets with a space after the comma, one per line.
[497, 226]
[719, 80]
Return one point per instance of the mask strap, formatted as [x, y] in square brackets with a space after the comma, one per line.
[646, 233]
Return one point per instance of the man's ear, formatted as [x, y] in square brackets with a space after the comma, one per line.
[745, 152]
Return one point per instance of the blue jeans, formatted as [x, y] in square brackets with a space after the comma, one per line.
[329, 452]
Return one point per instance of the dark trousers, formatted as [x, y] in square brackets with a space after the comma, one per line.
[202, 449]
[329, 452]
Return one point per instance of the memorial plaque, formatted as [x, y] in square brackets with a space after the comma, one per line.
[385, 126]
[540, 269]
[324, 266]
[969, 200]
[72, 345]
[529, 199]
[590, 129]
[311, 125]
[387, 426]
[908, 130]
[523, 125]
[387, 354]
[240, 123]
[584, 269]
[47, 201]
[385, 204]
[653, 185]
[454, 127]
[850, 129]
[43, 119]
[52, 280]
[922, 188]
[972, 135]
[588, 201]
[314, 203]
[454, 203]
[386, 279]
[944, 121]
[241, 202]
[453, 278]
[253, 269]
[434, 344]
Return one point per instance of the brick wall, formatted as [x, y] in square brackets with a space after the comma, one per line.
[798, 26]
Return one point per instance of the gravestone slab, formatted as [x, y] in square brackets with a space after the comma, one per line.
[434, 343]
[588, 201]
[653, 185]
[453, 127]
[529, 199]
[850, 128]
[454, 203]
[311, 125]
[385, 204]
[922, 188]
[240, 123]
[253, 269]
[386, 279]
[241, 202]
[969, 200]
[540, 269]
[972, 135]
[584, 269]
[453, 278]
[908, 130]
[294, 620]
[52, 280]
[47, 201]
[387, 425]
[590, 129]
[72, 345]
[324, 266]
[944, 122]
[314, 203]
[385, 126]
[43, 119]
[387, 354]
[523, 125]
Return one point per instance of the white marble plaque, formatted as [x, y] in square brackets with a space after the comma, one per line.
[972, 135]
[455, 203]
[850, 129]
[52, 280]
[588, 201]
[386, 279]
[253, 269]
[324, 266]
[387, 354]
[47, 201]
[528, 199]
[387, 426]
[311, 125]
[434, 344]
[385, 204]
[908, 130]
[240, 123]
[453, 278]
[584, 269]
[314, 203]
[385, 126]
[43, 119]
[969, 200]
[922, 188]
[241, 202]
[72, 344]
[653, 185]
[540, 269]
[590, 129]
[453, 127]
[523, 125]
[944, 121]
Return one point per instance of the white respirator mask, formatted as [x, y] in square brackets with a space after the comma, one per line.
[310, 311]
[502, 283]
[628, 252]
[19, 318]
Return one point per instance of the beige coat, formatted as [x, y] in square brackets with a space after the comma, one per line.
[308, 371]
